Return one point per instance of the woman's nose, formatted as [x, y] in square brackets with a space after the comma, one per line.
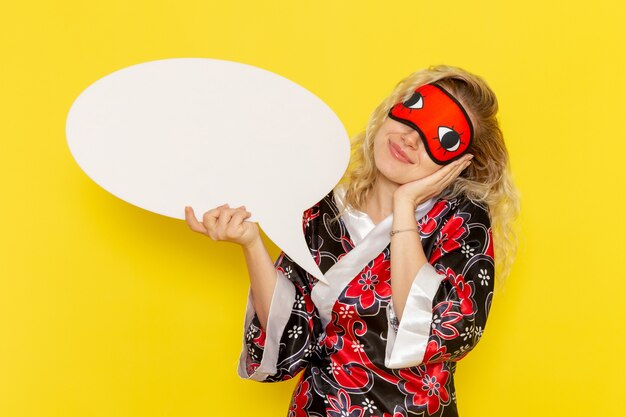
[411, 138]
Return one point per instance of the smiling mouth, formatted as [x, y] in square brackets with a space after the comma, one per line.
[398, 154]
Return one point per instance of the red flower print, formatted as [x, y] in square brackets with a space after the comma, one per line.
[489, 251]
[310, 214]
[444, 318]
[251, 367]
[435, 353]
[464, 291]
[309, 305]
[449, 238]
[368, 287]
[301, 398]
[260, 339]
[426, 388]
[334, 334]
[341, 406]
[429, 223]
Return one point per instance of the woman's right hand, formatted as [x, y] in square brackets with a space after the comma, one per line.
[226, 224]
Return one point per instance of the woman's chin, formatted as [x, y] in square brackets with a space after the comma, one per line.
[391, 177]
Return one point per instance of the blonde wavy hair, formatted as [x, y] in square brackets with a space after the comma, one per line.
[487, 180]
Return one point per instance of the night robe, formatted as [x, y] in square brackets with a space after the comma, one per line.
[358, 360]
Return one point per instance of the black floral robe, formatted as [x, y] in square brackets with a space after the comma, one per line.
[357, 359]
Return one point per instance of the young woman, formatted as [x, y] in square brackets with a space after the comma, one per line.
[406, 241]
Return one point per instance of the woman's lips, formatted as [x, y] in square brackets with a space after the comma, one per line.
[398, 153]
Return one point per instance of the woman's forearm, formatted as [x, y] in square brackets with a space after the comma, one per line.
[262, 278]
[407, 255]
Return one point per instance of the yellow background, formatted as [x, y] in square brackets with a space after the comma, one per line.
[109, 310]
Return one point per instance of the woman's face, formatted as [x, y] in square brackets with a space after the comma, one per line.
[400, 155]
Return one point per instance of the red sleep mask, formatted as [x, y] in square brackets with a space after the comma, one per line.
[441, 121]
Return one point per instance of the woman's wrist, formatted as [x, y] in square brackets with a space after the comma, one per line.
[254, 245]
[403, 217]
[403, 200]
[403, 204]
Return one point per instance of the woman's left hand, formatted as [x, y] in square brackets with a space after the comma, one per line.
[416, 192]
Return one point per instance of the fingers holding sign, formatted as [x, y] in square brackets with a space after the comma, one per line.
[224, 224]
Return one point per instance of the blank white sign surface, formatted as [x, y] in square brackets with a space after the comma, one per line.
[202, 132]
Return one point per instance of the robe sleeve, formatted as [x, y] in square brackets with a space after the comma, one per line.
[449, 300]
[283, 349]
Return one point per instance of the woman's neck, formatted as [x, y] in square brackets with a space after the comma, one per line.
[379, 203]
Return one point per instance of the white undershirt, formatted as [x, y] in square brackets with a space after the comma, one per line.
[359, 223]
